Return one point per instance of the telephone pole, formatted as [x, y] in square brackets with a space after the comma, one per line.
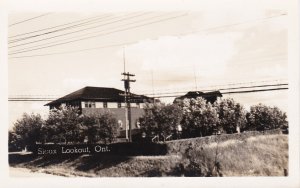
[127, 81]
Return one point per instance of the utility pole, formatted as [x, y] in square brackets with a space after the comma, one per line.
[127, 81]
[125, 99]
[195, 77]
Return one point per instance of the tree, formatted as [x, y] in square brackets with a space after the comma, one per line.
[90, 128]
[147, 121]
[27, 131]
[262, 117]
[63, 125]
[13, 141]
[232, 115]
[199, 116]
[108, 127]
[102, 127]
[160, 119]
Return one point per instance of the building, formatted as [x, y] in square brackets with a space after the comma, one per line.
[208, 96]
[97, 100]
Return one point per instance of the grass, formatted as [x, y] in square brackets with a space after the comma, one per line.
[225, 155]
[99, 166]
[264, 155]
[256, 156]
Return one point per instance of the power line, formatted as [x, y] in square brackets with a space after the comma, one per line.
[230, 25]
[247, 87]
[159, 96]
[222, 85]
[55, 42]
[235, 24]
[29, 19]
[252, 91]
[34, 98]
[233, 92]
[107, 33]
[25, 100]
[203, 88]
[57, 30]
[48, 28]
[252, 82]
[77, 31]
[75, 26]
[224, 89]
[169, 96]
[74, 51]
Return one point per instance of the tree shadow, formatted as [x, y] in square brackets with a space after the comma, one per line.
[18, 158]
[152, 173]
[38, 161]
[99, 162]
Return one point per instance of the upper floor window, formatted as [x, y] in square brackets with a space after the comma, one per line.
[120, 123]
[104, 104]
[90, 104]
[119, 105]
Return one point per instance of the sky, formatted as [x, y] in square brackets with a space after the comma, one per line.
[217, 45]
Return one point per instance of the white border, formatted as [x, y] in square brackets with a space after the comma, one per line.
[130, 5]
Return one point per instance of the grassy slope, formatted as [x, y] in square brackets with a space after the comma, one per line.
[259, 155]
[264, 155]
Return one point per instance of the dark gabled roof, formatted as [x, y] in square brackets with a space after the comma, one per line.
[103, 94]
[195, 94]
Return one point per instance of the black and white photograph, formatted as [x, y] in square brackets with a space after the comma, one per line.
[203, 90]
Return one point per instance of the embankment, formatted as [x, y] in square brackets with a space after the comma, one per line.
[245, 154]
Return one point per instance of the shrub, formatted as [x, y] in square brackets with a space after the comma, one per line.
[232, 115]
[160, 119]
[108, 127]
[262, 117]
[26, 131]
[90, 128]
[66, 124]
[63, 125]
[102, 127]
[13, 142]
[201, 162]
[199, 116]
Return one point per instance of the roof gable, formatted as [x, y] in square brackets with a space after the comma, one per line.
[195, 94]
[96, 94]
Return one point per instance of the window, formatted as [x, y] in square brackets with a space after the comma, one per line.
[90, 104]
[138, 125]
[138, 105]
[119, 105]
[120, 123]
[104, 104]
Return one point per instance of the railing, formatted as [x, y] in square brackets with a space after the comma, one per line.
[168, 137]
[156, 137]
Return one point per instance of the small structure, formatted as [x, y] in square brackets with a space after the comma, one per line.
[208, 96]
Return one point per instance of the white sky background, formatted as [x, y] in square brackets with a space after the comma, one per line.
[251, 47]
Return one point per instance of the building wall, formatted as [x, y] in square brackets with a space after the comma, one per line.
[136, 111]
[119, 113]
[112, 104]
[98, 105]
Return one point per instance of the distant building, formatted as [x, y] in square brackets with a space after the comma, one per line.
[97, 100]
[208, 96]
